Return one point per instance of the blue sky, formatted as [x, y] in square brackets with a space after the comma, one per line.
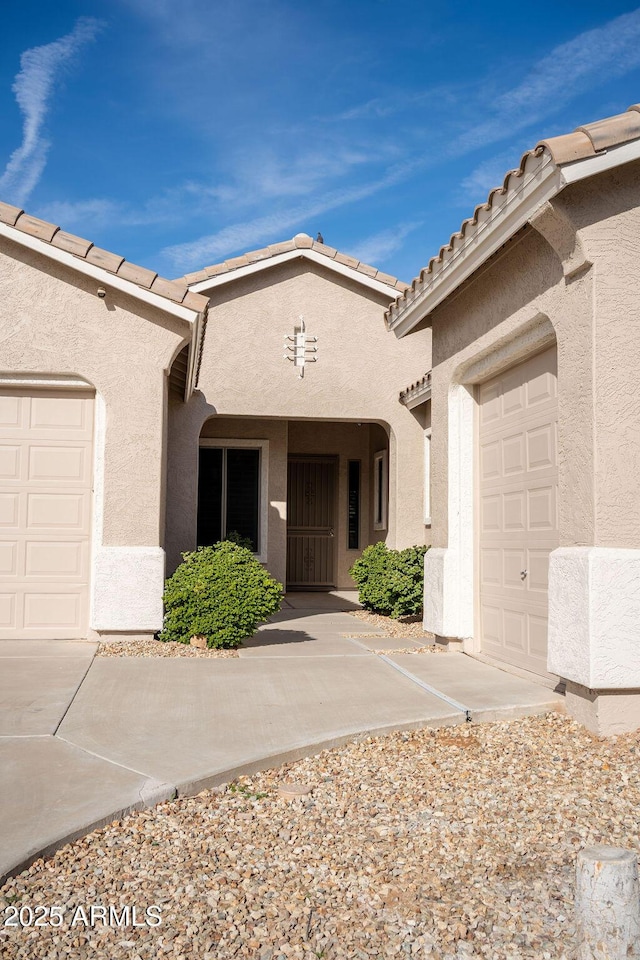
[181, 132]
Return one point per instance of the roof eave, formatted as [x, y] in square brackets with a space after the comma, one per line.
[98, 273]
[542, 181]
[415, 397]
[210, 283]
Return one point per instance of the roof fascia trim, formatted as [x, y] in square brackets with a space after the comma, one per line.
[495, 227]
[97, 273]
[202, 286]
[414, 398]
[505, 218]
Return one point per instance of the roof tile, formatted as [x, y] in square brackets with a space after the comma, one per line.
[37, 228]
[173, 289]
[9, 214]
[283, 247]
[139, 275]
[72, 244]
[324, 249]
[105, 259]
[196, 277]
[303, 241]
[367, 270]
[196, 301]
[234, 262]
[613, 131]
[346, 260]
[81, 249]
[569, 147]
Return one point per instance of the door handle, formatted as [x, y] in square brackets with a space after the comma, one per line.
[523, 574]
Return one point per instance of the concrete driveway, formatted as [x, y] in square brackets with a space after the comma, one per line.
[84, 739]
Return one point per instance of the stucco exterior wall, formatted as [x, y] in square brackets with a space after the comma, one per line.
[572, 277]
[358, 377]
[607, 213]
[53, 323]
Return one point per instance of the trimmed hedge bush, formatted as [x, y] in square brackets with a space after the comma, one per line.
[221, 592]
[390, 581]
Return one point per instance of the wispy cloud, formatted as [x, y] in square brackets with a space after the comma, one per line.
[33, 86]
[376, 248]
[487, 175]
[267, 228]
[568, 70]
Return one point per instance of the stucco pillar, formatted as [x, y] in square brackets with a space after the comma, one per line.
[594, 634]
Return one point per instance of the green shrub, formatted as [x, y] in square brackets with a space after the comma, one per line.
[390, 581]
[221, 592]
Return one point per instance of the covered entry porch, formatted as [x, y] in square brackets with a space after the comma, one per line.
[307, 495]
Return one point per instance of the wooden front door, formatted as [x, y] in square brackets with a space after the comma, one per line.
[310, 520]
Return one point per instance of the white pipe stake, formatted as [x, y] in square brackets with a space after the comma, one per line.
[607, 904]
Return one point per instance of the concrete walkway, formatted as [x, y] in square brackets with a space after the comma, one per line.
[84, 740]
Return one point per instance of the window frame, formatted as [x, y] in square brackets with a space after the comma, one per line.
[381, 478]
[263, 484]
[427, 477]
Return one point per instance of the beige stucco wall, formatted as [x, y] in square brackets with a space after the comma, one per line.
[53, 322]
[595, 315]
[358, 377]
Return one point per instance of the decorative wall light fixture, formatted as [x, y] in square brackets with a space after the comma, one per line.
[297, 348]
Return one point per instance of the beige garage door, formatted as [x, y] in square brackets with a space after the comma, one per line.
[518, 524]
[45, 513]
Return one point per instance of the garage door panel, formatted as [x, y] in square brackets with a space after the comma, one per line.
[518, 510]
[61, 463]
[490, 514]
[541, 508]
[57, 511]
[56, 414]
[48, 610]
[9, 509]
[491, 406]
[11, 412]
[514, 511]
[490, 568]
[514, 630]
[513, 395]
[52, 560]
[46, 460]
[513, 455]
[10, 461]
[538, 570]
[541, 447]
[490, 460]
[7, 612]
[8, 558]
[538, 629]
[513, 563]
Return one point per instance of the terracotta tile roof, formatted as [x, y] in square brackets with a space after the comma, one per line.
[300, 242]
[174, 290]
[414, 390]
[584, 142]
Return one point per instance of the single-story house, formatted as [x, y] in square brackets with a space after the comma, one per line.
[534, 306]
[140, 417]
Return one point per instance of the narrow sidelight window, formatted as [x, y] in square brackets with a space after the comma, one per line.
[380, 489]
[228, 494]
[353, 505]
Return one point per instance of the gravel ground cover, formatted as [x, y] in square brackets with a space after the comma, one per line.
[404, 627]
[451, 843]
[148, 647]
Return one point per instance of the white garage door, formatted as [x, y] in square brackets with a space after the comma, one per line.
[45, 513]
[518, 524]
